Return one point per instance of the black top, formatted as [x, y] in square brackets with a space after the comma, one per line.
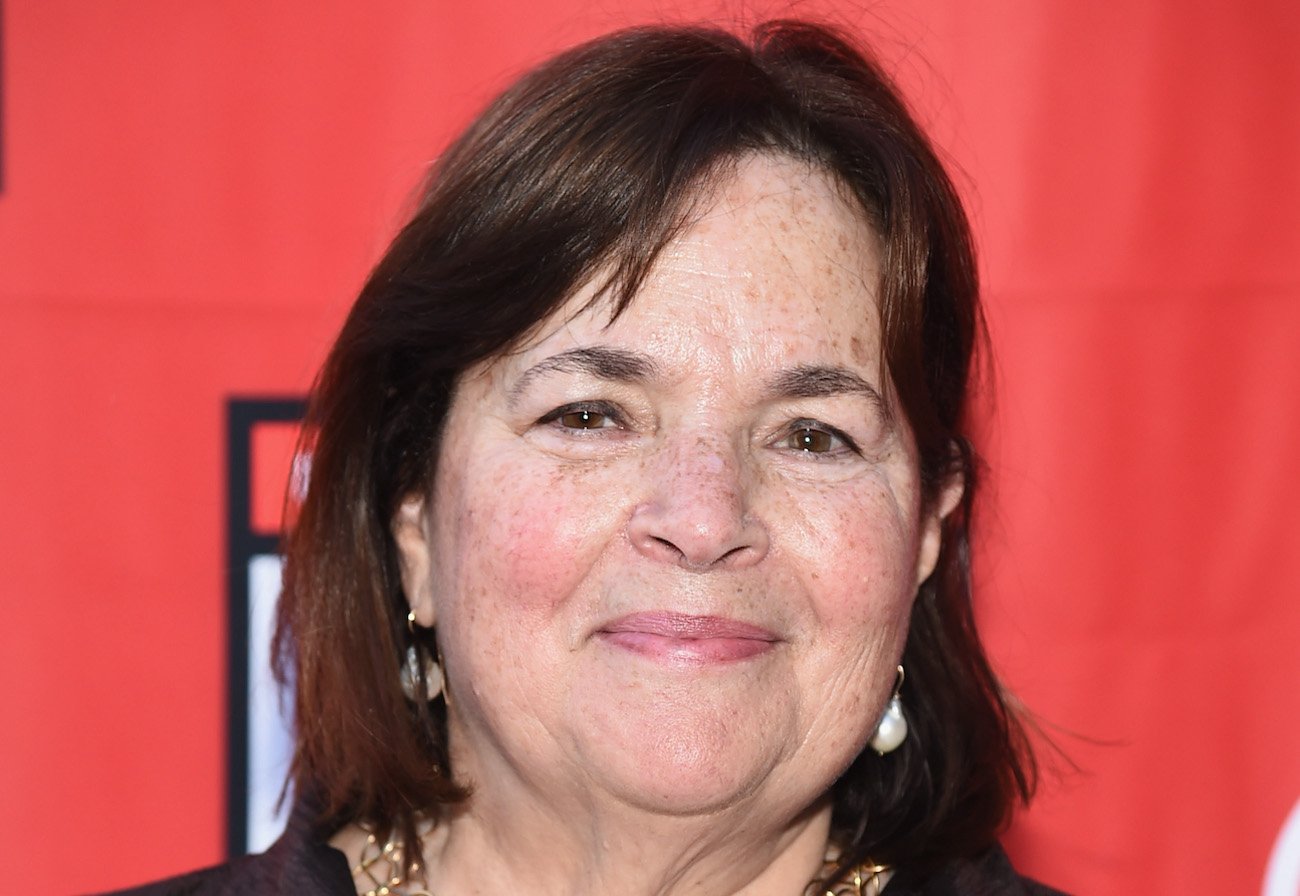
[300, 862]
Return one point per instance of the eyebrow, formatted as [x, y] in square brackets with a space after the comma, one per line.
[818, 381]
[624, 366]
[602, 362]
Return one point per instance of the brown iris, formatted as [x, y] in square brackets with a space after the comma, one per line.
[583, 418]
[818, 441]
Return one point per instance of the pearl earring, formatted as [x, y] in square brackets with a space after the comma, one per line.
[412, 686]
[891, 730]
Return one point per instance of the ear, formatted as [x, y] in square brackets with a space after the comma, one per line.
[410, 528]
[944, 503]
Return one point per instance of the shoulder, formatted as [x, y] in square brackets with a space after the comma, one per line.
[238, 876]
[296, 863]
[988, 874]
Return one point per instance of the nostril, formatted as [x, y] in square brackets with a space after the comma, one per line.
[734, 552]
[670, 551]
[697, 534]
[667, 545]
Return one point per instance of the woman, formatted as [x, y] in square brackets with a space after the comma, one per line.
[635, 556]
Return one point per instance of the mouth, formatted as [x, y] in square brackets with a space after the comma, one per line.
[678, 637]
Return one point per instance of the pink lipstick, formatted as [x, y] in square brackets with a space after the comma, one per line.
[682, 637]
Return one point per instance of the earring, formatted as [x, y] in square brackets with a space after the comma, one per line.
[415, 686]
[891, 730]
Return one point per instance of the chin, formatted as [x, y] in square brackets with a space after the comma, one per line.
[675, 787]
[681, 763]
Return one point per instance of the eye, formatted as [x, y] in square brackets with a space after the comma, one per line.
[583, 417]
[811, 437]
[818, 441]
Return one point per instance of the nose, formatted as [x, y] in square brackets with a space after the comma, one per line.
[698, 513]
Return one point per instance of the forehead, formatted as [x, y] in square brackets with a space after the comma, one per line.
[778, 265]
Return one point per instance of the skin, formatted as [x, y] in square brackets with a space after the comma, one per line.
[724, 450]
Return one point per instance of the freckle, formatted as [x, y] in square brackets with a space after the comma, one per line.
[859, 350]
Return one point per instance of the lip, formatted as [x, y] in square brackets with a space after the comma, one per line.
[683, 637]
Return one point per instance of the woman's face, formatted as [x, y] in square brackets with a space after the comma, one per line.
[671, 558]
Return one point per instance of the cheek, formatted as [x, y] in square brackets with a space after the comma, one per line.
[861, 545]
[522, 537]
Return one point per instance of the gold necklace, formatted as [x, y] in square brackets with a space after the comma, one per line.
[393, 882]
[861, 880]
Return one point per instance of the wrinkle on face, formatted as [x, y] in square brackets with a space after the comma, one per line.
[761, 313]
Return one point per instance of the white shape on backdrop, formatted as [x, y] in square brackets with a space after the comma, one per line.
[1283, 875]
[270, 731]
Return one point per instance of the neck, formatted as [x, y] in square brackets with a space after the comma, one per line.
[493, 849]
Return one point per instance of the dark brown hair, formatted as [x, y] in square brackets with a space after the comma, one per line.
[589, 165]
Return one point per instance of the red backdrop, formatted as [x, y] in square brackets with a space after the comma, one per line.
[192, 192]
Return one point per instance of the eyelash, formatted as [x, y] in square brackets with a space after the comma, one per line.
[608, 411]
[616, 420]
[806, 425]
